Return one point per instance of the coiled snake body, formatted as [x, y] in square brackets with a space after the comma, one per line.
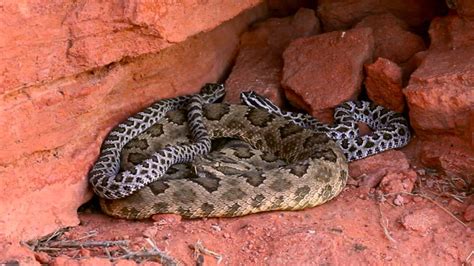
[286, 166]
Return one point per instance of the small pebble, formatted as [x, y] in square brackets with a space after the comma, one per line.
[42, 257]
[150, 232]
[399, 200]
[84, 252]
[421, 171]
[469, 213]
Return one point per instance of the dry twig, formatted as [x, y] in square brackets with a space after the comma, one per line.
[165, 259]
[433, 201]
[466, 261]
[200, 249]
[87, 244]
[384, 222]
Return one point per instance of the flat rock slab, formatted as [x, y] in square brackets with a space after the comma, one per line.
[325, 70]
[258, 66]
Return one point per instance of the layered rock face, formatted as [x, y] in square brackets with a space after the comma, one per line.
[71, 70]
[440, 97]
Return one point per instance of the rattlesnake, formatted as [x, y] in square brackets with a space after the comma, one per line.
[292, 168]
[391, 129]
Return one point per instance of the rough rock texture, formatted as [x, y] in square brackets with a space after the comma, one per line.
[402, 181]
[70, 37]
[469, 213]
[384, 84]
[411, 65]
[441, 99]
[369, 171]
[259, 63]
[447, 153]
[441, 103]
[322, 71]
[392, 38]
[55, 114]
[280, 8]
[51, 132]
[421, 220]
[451, 32]
[465, 9]
[343, 14]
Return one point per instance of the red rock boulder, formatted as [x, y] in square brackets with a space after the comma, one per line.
[322, 71]
[46, 41]
[259, 63]
[441, 98]
[343, 14]
[384, 84]
[451, 32]
[369, 171]
[464, 8]
[52, 131]
[392, 38]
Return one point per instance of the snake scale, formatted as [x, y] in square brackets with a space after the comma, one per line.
[282, 161]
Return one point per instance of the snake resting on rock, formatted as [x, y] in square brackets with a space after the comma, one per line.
[159, 160]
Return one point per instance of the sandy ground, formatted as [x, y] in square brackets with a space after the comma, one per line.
[361, 226]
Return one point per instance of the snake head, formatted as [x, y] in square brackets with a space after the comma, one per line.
[253, 99]
[212, 92]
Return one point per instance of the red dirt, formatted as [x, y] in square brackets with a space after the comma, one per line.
[359, 226]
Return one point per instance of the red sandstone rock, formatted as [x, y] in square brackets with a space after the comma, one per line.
[280, 8]
[83, 252]
[440, 100]
[449, 154]
[383, 83]
[45, 41]
[51, 134]
[322, 71]
[421, 220]
[369, 171]
[412, 64]
[450, 33]
[43, 257]
[343, 14]
[403, 181]
[392, 39]
[441, 103]
[469, 213]
[465, 9]
[259, 63]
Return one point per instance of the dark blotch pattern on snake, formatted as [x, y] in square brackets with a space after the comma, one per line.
[275, 165]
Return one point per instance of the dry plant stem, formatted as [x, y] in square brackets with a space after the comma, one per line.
[155, 252]
[88, 244]
[199, 248]
[466, 261]
[88, 235]
[164, 258]
[433, 201]
[384, 224]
